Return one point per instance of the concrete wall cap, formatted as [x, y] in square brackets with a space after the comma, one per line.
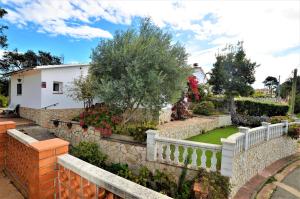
[21, 137]
[107, 180]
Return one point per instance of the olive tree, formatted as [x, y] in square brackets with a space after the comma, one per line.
[139, 68]
[81, 90]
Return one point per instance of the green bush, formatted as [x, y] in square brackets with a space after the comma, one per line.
[204, 108]
[3, 101]
[255, 108]
[89, 152]
[218, 186]
[136, 130]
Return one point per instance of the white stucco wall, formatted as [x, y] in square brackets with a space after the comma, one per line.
[31, 89]
[65, 75]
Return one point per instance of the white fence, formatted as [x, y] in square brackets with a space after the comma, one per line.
[210, 156]
[182, 152]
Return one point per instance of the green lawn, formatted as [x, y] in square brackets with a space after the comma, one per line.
[214, 136]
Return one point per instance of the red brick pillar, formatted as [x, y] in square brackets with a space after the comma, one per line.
[4, 126]
[43, 180]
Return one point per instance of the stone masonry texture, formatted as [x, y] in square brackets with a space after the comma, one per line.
[247, 164]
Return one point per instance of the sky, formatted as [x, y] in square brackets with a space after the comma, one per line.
[269, 29]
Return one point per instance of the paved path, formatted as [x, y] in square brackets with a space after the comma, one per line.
[289, 188]
[7, 190]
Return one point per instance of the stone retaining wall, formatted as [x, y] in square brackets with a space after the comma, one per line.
[43, 116]
[247, 164]
[193, 126]
[118, 152]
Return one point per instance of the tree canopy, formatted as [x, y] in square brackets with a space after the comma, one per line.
[272, 83]
[286, 87]
[3, 37]
[14, 60]
[139, 68]
[232, 73]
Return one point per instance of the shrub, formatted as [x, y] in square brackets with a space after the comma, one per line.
[136, 130]
[89, 152]
[218, 186]
[221, 104]
[246, 120]
[278, 119]
[255, 108]
[179, 111]
[294, 131]
[3, 101]
[204, 108]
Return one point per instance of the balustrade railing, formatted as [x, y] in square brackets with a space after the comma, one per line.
[183, 152]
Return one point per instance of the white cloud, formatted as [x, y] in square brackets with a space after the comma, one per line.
[267, 27]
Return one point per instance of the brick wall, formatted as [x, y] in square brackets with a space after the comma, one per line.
[29, 163]
[43, 169]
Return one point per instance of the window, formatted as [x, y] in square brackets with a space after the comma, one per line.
[57, 87]
[19, 89]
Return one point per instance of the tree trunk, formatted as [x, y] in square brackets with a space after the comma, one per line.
[232, 107]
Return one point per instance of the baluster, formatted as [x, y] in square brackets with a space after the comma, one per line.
[176, 155]
[168, 153]
[214, 161]
[194, 157]
[203, 158]
[185, 153]
[160, 152]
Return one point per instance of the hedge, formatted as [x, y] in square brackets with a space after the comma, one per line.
[255, 108]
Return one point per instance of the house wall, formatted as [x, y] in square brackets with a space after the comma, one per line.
[31, 89]
[65, 75]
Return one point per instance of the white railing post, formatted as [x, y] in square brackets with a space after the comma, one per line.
[267, 125]
[245, 130]
[285, 126]
[228, 148]
[151, 145]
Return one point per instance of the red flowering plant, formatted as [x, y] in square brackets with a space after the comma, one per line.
[193, 90]
[101, 118]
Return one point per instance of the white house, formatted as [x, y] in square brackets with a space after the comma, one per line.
[41, 92]
[200, 74]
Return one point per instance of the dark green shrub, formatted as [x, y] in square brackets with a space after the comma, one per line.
[204, 108]
[89, 152]
[3, 101]
[221, 104]
[254, 108]
[218, 185]
[121, 170]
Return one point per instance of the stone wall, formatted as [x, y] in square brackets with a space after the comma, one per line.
[193, 126]
[117, 151]
[43, 116]
[247, 164]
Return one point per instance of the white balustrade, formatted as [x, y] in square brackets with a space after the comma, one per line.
[195, 154]
[183, 152]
